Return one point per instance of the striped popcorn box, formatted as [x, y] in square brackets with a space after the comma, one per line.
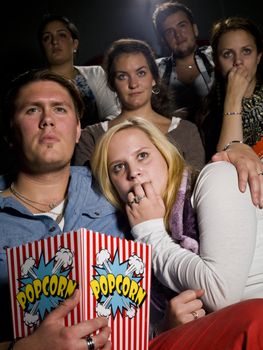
[112, 274]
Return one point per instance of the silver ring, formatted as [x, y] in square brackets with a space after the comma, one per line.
[195, 315]
[90, 343]
[136, 199]
[260, 173]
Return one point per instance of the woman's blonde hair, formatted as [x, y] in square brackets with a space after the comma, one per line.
[175, 162]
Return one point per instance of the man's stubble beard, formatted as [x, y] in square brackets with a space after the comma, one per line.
[184, 53]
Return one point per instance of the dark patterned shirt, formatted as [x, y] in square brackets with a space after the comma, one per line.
[91, 113]
[189, 95]
[252, 117]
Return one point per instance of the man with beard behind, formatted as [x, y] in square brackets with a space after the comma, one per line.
[189, 70]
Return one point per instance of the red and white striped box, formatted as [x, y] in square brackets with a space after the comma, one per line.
[112, 274]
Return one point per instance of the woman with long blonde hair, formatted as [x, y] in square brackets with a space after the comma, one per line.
[208, 237]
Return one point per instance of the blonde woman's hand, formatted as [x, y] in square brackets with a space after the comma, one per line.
[144, 204]
[184, 308]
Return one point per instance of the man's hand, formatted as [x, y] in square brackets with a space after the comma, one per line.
[52, 333]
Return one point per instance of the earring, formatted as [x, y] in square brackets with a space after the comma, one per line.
[118, 103]
[75, 51]
[155, 90]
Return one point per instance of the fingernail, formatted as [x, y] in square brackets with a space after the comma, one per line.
[73, 296]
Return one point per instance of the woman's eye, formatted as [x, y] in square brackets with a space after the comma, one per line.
[46, 38]
[227, 54]
[63, 34]
[120, 76]
[247, 51]
[143, 155]
[141, 73]
[118, 167]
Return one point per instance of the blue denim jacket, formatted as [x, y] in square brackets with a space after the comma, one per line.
[85, 208]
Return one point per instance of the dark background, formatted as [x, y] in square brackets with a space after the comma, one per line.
[99, 22]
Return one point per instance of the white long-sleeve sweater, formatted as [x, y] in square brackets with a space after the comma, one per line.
[230, 265]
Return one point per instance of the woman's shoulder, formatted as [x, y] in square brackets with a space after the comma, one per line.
[85, 147]
[91, 71]
[220, 167]
[92, 128]
[187, 124]
[219, 174]
[259, 92]
[91, 132]
[182, 128]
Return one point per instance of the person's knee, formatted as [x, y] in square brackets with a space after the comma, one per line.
[251, 311]
[255, 306]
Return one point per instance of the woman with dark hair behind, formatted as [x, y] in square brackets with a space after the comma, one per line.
[233, 110]
[59, 41]
[133, 74]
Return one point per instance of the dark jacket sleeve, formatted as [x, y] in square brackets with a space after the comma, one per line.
[85, 147]
[187, 139]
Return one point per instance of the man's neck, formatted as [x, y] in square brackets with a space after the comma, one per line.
[43, 188]
[184, 61]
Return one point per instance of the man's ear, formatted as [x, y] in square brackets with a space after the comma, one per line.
[259, 57]
[196, 31]
[78, 133]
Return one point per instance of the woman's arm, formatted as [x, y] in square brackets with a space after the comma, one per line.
[232, 128]
[228, 226]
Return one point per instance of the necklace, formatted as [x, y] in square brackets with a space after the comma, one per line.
[188, 66]
[29, 201]
[57, 215]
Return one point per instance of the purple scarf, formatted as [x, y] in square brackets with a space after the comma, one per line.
[183, 228]
[182, 220]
